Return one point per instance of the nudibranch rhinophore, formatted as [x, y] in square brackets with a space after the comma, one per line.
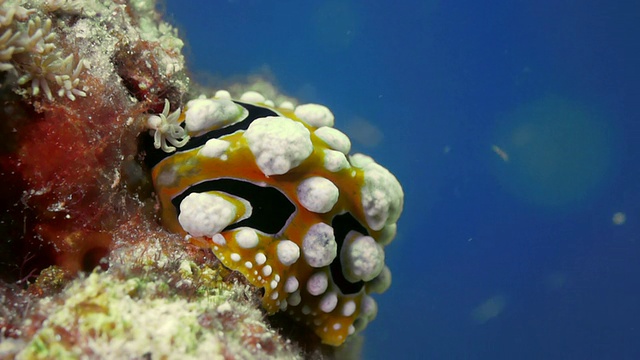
[273, 192]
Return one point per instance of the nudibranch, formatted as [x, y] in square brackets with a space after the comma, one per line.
[273, 191]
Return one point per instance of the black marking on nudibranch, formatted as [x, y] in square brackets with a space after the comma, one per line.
[271, 208]
[342, 224]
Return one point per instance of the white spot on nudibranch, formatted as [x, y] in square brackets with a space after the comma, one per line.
[203, 214]
[329, 302]
[336, 139]
[381, 282]
[361, 257]
[253, 97]
[260, 258]
[335, 161]
[222, 94]
[247, 238]
[286, 105]
[317, 194]
[267, 270]
[319, 245]
[291, 284]
[278, 144]
[382, 195]
[203, 115]
[294, 299]
[219, 239]
[215, 148]
[315, 114]
[288, 252]
[349, 308]
[317, 283]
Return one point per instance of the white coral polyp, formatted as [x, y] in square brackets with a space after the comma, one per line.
[203, 214]
[278, 144]
[203, 115]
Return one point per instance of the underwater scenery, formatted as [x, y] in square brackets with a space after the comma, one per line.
[513, 127]
[340, 179]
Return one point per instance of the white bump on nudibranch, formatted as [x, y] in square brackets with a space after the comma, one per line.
[288, 252]
[278, 144]
[235, 256]
[288, 105]
[294, 299]
[329, 302]
[381, 282]
[203, 214]
[314, 115]
[348, 308]
[335, 138]
[202, 115]
[214, 148]
[360, 160]
[219, 239]
[247, 238]
[317, 194]
[260, 258]
[361, 257]
[387, 234]
[267, 270]
[274, 284]
[222, 94]
[253, 97]
[317, 283]
[382, 195]
[291, 284]
[319, 245]
[368, 308]
[335, 160]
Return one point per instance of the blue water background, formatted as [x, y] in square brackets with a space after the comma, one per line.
[514, 129]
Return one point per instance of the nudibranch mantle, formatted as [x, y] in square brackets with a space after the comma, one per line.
[275, 195]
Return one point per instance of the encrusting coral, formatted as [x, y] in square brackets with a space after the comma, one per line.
[97, 261]
[168, 302]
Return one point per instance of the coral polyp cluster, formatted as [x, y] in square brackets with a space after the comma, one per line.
[30, 48]
[276, 195]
